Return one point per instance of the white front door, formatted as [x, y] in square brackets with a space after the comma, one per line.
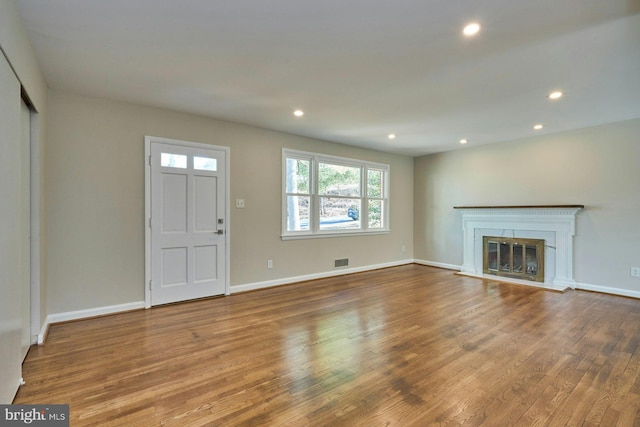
[188, 222]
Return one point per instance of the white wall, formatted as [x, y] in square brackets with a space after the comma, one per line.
[95, 201]
[597, 167]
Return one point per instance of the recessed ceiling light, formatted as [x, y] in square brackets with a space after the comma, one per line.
[538, 126]
[464, 141]
[555, 95]
[298, 113]
[392, 136]
[471, 29]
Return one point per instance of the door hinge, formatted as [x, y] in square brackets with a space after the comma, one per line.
[149, 284]
[150, 161]
[149, 222]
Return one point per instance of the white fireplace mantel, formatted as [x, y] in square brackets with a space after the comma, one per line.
[555, 224]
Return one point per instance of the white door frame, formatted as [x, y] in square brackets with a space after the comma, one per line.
[37, 334]
[37, 330]
[147, 209]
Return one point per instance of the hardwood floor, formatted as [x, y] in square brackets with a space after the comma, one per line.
[404, 346]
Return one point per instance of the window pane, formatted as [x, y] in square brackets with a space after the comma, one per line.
[376, 212]
[297, 213]
[374, 183]
[173, 160]
[337, 180]
[205, 164]
[297, 176]
[339, 214]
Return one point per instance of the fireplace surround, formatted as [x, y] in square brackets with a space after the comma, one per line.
[554, 224]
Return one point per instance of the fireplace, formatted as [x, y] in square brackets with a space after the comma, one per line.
[552, 225]
[515, 258]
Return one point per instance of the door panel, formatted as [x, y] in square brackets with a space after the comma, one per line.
[206, 215]
[188, 209]
[174, 203]
[10, 234]
[174, 267]
[206, 263]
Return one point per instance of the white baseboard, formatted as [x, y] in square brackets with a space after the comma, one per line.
[83, 314]
[43, 331]
[338, 272]
[503, 279]
[560, 287]
[607, 290]
[437, 264]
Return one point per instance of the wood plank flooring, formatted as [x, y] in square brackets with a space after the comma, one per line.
[404, 346]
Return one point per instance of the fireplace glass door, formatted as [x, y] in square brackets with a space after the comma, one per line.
[513, 257]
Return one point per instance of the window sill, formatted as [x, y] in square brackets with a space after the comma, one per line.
[326, 235]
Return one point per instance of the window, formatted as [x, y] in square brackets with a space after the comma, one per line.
[326, 196]
[205, 164]
[169, 160]
[173, 160]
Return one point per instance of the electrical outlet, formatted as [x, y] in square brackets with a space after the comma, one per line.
[270, 263]
[240, 203]
[635, 271]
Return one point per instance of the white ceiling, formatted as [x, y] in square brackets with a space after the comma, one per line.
[360, 69]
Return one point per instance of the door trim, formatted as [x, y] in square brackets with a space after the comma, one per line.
[147, 208]
[36, 321]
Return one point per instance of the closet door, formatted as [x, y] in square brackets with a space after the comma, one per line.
[10, 234]
[25, 225]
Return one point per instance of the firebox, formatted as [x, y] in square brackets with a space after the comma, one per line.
[513, 257]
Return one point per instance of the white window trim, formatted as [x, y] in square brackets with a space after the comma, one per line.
[314, 160]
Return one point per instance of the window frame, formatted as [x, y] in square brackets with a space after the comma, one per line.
[314, 230]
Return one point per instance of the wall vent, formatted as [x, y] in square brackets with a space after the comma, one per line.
[342, 262]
